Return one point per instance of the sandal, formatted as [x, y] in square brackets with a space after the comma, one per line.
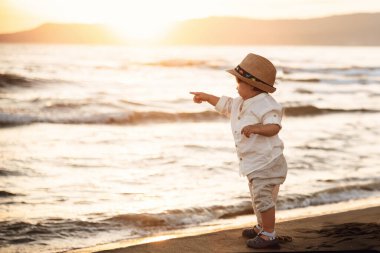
[260, 243]
[250, 232]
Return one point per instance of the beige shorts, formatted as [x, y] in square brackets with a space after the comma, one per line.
[264, 184]
[264, 194]
[278, 168]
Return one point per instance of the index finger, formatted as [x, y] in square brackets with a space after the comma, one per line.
[194, 92]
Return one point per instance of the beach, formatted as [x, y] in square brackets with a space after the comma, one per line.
[104, 144]
[355, 230]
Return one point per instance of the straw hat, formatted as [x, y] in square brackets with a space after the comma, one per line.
[256, 71]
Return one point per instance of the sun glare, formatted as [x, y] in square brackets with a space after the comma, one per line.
[142, 30]
[148, 19]
[141, 20]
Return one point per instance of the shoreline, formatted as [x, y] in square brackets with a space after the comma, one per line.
[339, 213]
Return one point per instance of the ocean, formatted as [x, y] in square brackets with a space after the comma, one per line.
[103, 143]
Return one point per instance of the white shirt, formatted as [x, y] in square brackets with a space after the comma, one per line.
[257, 151]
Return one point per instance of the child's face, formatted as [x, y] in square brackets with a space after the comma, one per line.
[245, 90]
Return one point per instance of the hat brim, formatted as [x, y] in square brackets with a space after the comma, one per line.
[251, 82]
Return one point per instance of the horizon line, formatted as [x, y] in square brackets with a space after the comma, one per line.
[199, 18]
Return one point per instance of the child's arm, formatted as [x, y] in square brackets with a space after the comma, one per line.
[270, 126]
[223, 104]
[266, 130]
[199, 97]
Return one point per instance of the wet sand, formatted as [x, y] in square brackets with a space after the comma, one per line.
[357, 230]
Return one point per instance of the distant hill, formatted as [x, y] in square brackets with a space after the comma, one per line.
[354, 29]
[64, 33]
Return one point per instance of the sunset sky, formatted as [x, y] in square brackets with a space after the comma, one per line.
[149, 18]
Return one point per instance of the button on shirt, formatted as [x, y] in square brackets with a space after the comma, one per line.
[257, 151]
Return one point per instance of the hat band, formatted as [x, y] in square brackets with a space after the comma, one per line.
[245, 74]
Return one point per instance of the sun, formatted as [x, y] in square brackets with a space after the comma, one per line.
[140, 30]
[142, 20]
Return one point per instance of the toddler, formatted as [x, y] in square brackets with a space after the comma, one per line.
[255, 121]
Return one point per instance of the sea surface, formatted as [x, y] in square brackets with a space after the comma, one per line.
[102, 143]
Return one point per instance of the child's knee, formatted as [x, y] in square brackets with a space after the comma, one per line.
[264, 203]
[263, 196]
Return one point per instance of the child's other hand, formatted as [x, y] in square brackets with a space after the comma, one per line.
[250, 129]
[199, 97]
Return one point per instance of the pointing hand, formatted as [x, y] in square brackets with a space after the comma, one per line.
[199, 97]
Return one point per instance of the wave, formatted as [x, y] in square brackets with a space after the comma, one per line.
[331, 75]
[6, 194]
[131, 102]
[19, 232]
[108, 118]
[181, 63]
[304, 80]
[139, 224]
[347, 70]
[12, 80]
[8, 80]
[310, 110]
[6, 173]
[15, 120]
[192, 216]
[337, 81]
[47, 105]
[181, 217]
[141, 117]
[223, 64]
[331, 195]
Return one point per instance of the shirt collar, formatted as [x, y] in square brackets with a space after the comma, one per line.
[249, 101]
[256, 98]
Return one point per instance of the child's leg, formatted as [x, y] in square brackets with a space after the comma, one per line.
[257, 213]
[264, 195]
[268, 217]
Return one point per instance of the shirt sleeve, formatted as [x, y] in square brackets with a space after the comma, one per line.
[224, 106]
[272, 117]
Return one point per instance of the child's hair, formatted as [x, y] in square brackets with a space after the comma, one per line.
[253, 87]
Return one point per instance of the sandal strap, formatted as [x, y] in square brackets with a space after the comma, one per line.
[270, 235]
